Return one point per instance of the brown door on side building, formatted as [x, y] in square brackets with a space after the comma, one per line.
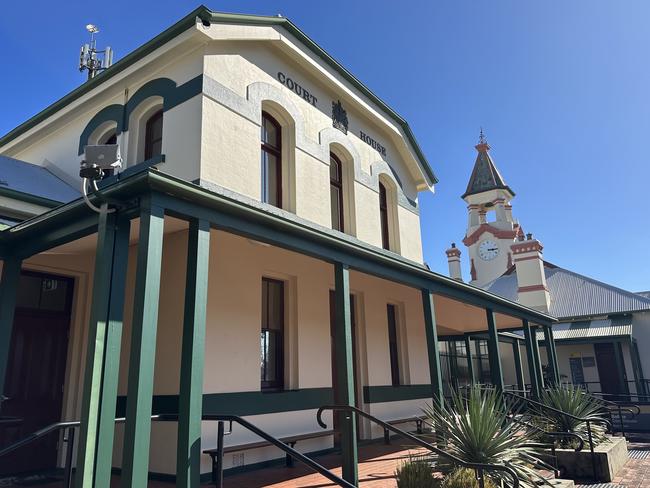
[36, 369]
[612, 378]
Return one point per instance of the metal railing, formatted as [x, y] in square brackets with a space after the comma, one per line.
[479, 468]
[174, 418]
[553, 435]
[587, 421]
[618, 407]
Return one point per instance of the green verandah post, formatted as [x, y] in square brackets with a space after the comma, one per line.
[537, 358]
[433, 347]
[496, 372]
[113, 344]
[519, 372]
[137, 435]
[190, 408]
[470, 362]
[104, 335]
[551, 352]
[344, 392]
[530, 339]
[8, 289]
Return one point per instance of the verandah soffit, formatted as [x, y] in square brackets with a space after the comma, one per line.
[251, 219]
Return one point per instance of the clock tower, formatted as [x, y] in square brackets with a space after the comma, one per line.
[491, 229]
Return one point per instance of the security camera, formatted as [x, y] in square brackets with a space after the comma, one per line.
[99, 158]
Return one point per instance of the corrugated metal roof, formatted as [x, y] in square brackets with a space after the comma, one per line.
[575, 295]
[34, 180]
[589, 329]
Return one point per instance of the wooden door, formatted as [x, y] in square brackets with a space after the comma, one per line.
[36, 369]
[609, 370]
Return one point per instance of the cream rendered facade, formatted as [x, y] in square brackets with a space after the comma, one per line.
[214, 138]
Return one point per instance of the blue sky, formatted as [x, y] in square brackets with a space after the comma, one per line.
[561, 89]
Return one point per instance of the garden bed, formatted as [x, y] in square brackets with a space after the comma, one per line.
[610, 455]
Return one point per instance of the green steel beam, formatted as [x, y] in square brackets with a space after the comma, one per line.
[188, 452]
[496, 372]
[344, 393]
[538, 359]
[470, 362]
[8, 288]
[479, 363]
[433, 347]
[137, 434]
[112, 347]
[635, 354]
[519, 371]
[97, 331]
[530, 341]
[556, 363]
[550, 356]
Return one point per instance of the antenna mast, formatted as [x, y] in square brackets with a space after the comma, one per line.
[88, 57]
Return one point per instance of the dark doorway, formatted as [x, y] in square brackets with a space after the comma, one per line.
[355, 374]
[36, 369]
[612, 377]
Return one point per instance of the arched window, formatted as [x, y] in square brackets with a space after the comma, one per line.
[110, 138]
[383, 216]
[336, 192]
[271, 161]
[153, 135]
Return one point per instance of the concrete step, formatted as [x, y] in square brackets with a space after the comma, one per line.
[560, 483]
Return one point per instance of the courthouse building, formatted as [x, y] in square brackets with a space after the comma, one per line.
[258, 255]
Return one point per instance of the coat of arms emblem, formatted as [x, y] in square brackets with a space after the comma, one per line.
[339, 117]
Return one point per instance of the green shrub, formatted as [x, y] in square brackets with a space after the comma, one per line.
[464, 478]
[476, 429]
[574, 401]
[415, 473]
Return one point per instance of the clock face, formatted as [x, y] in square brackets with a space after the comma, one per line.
[488, 250]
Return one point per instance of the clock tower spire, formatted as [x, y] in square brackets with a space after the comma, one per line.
[491, 229]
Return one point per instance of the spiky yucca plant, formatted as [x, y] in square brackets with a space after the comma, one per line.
[476, 430]
[574, 401]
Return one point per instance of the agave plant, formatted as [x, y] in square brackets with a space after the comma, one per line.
[572, 400]
[476, 429]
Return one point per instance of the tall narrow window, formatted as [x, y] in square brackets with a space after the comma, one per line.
[271, 161]
[392, 344]
[336, 192]
[272, 335]
[153, 136]
[383, 215]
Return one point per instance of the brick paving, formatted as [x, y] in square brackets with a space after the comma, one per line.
[636, 473]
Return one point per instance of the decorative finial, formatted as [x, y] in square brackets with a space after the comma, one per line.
[481, 137]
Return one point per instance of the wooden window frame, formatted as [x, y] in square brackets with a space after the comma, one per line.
[338, 186]
[148, 135]
[277, 152]
[278, 383]
[393, 344]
